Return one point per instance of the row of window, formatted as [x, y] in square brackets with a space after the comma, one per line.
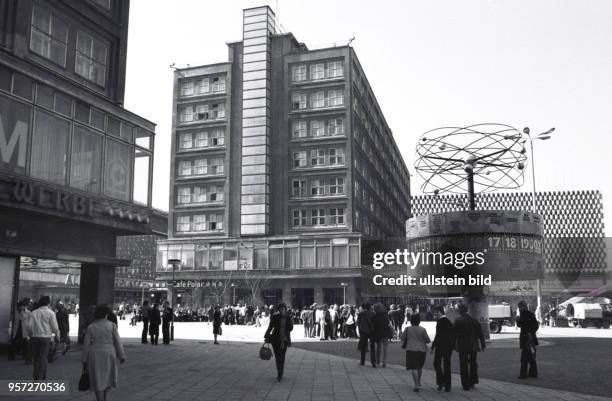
[201, 112]
[199, 223]
[318, 71]
[200, 194]
[319, 157]
[201, 167]
[203, 86]
[318, 217]
[49, 39]
[317, 128]
[202, 139]
[318, 186]
[317, 100]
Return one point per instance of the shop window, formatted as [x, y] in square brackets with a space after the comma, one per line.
[50, 148]
[117, 170]
[86, 160]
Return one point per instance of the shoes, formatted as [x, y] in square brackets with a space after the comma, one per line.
[466, 388]
[216, 342]
[384, 365]
[373, 365]
[533, 376]
[439, 388]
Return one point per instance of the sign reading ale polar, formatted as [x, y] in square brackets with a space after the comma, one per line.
[501, 245]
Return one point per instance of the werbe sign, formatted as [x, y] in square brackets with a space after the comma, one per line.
[51, 198]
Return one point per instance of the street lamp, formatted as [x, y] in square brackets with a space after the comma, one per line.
[174, 263]
[344, 285]
[233, 293]
[543, 136]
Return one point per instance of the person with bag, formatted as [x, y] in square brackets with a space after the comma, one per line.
[101, 349]
[217, 323]
[279, 335]
[414, 341]
[528, 341]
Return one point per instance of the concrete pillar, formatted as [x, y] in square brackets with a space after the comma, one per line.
[478, 308]
[97, 287]
[287, 294]
[9, 292]
[351, 292]
[318, 294]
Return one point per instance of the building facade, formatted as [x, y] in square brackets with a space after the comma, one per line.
[574, 237]
[282, 165]
[75, 166]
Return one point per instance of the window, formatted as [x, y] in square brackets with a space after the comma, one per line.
[218, 166]
[183, 224]
[317, 71]
[86, 160]
[299, 159]
[48, 36]
[298, 73]
[336, 156]
[118, 170]
[299, 218]
[187, 88]
[203, 86]
[201, 140]
[186, 114]
[199, 195]
[299, 101]
[106, 4]
[299, 187]
[217, 138]
[215, 193]
[336, 126]
[335, 69]
[317, 157]
[202, 112]
[91, 58]
[200, 167]
[317, 217]
[317, 128]
[317, 100]
[336, 216]
[218, 85]
[50, 148]
[199, 222]
[184, 168]
[335, 98]
[317, 187]
[216, 222]
[299, 129]
[218, 111]
[185, 141]
[336, 186]
[184, 195]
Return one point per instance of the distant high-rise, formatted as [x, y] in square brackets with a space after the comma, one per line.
[282, 164]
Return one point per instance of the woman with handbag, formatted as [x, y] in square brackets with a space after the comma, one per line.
[101, 349]
[279, 335]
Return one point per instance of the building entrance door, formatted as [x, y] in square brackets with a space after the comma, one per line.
[301, 297]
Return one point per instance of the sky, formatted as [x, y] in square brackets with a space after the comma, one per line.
[542, 64]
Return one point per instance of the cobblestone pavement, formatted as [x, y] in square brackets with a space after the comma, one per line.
[199, 370]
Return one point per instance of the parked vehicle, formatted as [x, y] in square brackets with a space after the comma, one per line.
[587, 312]
[499, 316]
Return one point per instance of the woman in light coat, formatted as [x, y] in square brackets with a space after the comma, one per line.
[101, 349]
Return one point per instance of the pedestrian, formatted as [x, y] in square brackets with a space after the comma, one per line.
[167, 316]
[366, 328]
[154, 322]
[19, 336]
[470, 340]
[145, 320]
[442, 347]
[305, 321]
[41, 330]
[101, 349]
[527, 341]
[382, 332]
[64, 326]
[279, 335]
[217, 323]
[414, 341]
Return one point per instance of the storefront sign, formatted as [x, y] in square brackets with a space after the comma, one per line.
[50, 198]
[14, 123]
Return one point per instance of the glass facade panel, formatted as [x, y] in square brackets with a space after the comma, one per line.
[117, 170]
[50, 148]
[142, 163]
[86, 160]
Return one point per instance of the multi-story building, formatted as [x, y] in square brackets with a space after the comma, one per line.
[575, 259]
[282, 164]
[75, 166]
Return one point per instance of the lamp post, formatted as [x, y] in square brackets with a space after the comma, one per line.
[233, 294]
[540, 137]
[344, 285]
[174, 263]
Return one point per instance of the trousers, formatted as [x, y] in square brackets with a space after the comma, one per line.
[468, 366]
[442, 365]
[40, 353]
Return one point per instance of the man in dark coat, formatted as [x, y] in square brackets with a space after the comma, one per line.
[145, 320]
[279, 335]
[527, 341]
[442, 345]
[468, 333]
[167, 316]
[366, 333]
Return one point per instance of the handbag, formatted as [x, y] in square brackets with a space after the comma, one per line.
[84, 381]
[220, 331]
[265, 353]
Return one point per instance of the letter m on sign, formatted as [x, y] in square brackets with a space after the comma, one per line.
[14, 119]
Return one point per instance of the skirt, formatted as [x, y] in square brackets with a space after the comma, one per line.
[415, 360]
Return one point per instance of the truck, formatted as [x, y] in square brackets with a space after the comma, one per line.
[499, 316]
[586, 312]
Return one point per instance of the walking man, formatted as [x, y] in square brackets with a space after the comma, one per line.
[527, 341]
[443, 347]
[64, 326]
[468, 333]
[146, 312]
[42, 328]
[166, 319]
